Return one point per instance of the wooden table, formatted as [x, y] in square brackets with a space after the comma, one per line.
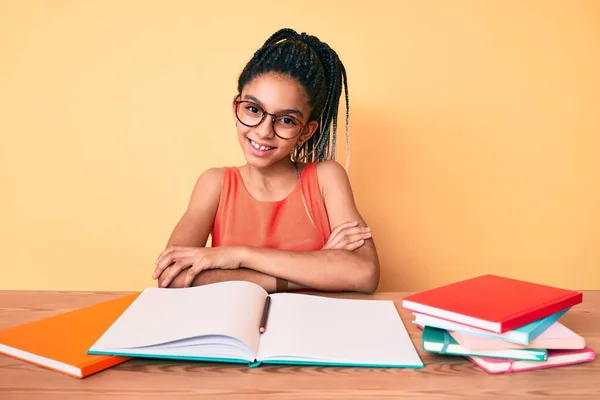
[443, 377]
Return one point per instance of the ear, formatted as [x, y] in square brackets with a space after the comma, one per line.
[233, 106]
[307, 132]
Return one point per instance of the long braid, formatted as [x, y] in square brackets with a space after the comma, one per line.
[319, 70]
[331, 64]
[345, 81]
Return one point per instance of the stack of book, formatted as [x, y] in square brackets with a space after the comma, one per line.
[500, 324]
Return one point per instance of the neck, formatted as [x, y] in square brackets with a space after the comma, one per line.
[271, 176]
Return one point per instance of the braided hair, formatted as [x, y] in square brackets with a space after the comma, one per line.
[317, 67]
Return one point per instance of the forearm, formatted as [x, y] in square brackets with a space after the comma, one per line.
[222, 275]
[328, 270]
[269, 283]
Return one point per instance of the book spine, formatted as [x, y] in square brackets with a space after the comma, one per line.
[98, 366]
[548, 309]
[254, 364]
[446, 343]
[543, 355]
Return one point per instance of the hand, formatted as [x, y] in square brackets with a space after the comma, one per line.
[196, 259]
[348, 236]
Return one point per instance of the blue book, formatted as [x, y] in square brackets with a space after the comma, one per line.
[239, 322]
[440, 341]
[522, 335]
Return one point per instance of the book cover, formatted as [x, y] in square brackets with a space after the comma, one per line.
[556, 337]
[556, 358]
[60, 342]
[522, 335]
[440, 341]
[494, 303]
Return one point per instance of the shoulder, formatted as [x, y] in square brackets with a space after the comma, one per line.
[331, 169]
[212, 178]
[208, 185]
[337, 193]
[332, 176]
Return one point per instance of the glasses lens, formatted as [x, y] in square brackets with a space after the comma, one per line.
[287, 126]
[249, 113]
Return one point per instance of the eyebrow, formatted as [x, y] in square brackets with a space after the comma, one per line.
[287, 111]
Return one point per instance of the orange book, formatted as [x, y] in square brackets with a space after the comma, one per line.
[60, 342]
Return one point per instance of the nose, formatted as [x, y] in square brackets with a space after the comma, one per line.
[265, 129]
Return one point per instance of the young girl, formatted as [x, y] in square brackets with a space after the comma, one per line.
[287, 218]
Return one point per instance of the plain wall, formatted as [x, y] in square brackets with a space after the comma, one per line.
[474, 129]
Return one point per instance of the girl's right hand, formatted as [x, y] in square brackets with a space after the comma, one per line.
[348, 236]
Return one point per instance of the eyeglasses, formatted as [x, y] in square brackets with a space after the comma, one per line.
[251, 114]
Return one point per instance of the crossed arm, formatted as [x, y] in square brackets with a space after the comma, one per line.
[348, 262]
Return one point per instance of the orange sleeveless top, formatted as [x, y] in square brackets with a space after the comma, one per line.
[241, 220]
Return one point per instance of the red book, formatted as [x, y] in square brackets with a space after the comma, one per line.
[492, 302]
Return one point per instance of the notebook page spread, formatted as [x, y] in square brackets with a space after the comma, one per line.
[165, 316]
[314, 328]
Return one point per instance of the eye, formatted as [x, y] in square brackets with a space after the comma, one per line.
[288, 121]
[251, 108]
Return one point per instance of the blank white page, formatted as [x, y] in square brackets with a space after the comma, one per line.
[162, 315]
[315, 328]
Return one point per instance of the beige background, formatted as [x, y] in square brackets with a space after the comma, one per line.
[474, 130]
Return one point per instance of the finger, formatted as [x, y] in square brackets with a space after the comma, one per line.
[175, 269]
[355, 245]
[348, 224]
[335, 232]
[164, 260]
[170, 257]
[355, 231]
[348, 240]
[350, 235]
[167, 276]
[162, 276]
[356, 238]
[194, 270]
[158, 271]
[167, 250]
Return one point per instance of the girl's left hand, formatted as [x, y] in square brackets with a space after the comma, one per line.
[196, 259]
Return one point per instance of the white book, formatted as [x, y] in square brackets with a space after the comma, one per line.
[221, 321]
[522, 335]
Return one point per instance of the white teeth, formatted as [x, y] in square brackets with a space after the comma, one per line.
[259, 147]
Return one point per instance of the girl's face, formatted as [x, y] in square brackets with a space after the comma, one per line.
[272, 118]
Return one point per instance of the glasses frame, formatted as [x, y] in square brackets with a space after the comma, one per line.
[237, 103]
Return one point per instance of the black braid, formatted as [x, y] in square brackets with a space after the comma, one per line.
[317, 67]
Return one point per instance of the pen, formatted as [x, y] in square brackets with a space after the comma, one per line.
[263, 320]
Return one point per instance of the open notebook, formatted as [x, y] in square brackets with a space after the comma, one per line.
[220, 322]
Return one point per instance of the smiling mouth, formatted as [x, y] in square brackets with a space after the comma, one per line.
[260, 147]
